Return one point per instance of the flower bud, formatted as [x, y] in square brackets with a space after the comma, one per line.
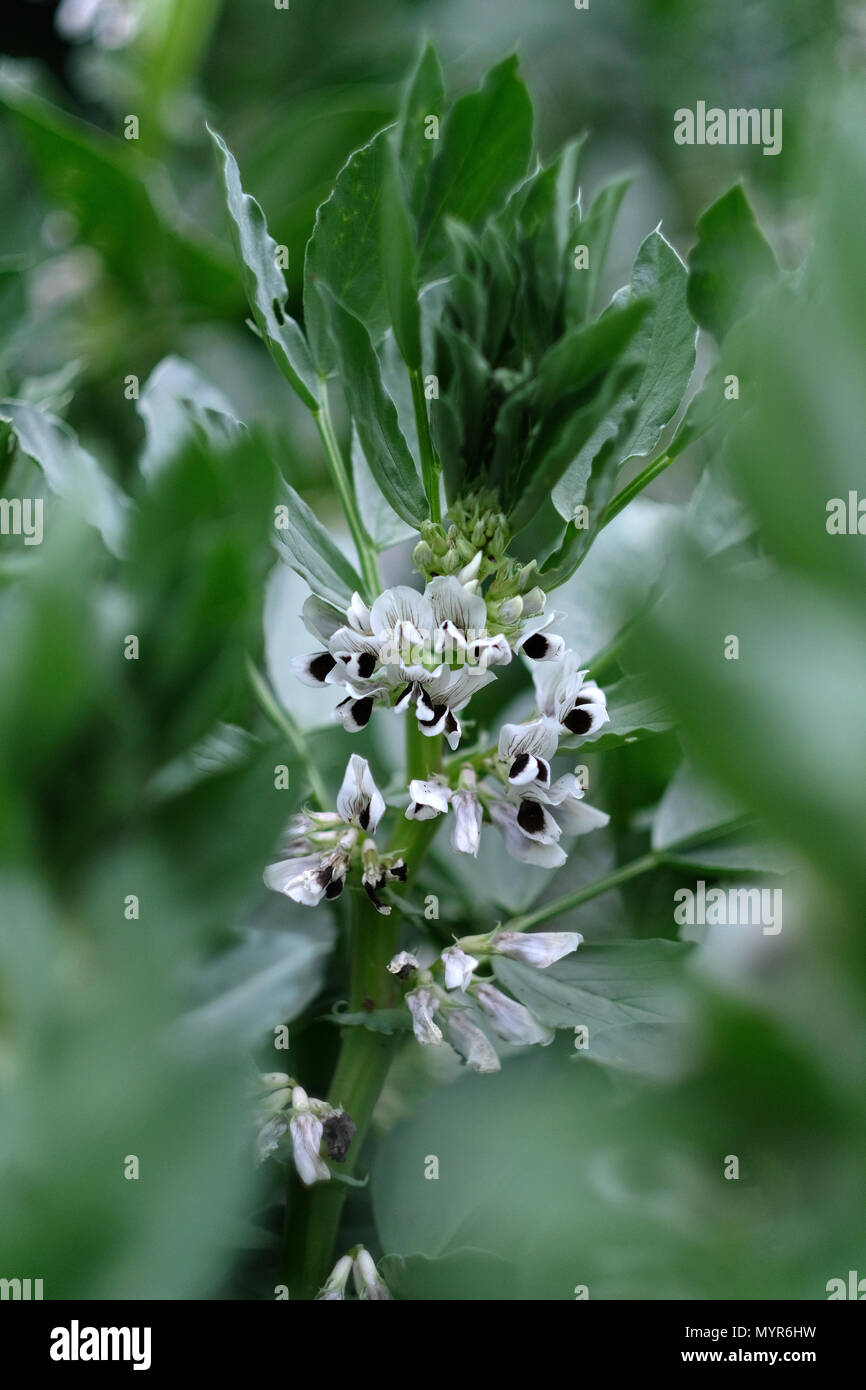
[422, 556]
[540, 948]
[334, 1288]
[367, 1281]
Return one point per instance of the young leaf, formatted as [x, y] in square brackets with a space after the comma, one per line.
[484, 151]
[309, 549]
[728, 263]
[69, 469]
[424, 97]
[374, 412]
[594, 233]
[344, 250]
[399, 264]
[381, 523]
[264, 282]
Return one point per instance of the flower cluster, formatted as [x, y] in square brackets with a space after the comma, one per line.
[369, 1284]
[283, 1107]
[516, 791]
[321, 847]
[443, 999]
[429, 651]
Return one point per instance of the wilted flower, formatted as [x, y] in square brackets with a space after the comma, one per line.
[307, 1132]
[422, 1005]
[403, 964]
[471, 1043]
[509, 1020]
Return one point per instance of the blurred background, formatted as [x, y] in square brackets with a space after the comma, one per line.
[124, 1036]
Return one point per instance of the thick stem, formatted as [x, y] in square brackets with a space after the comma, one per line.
[363, 544]
[429, 467]
[313, 1218]
[583, 895]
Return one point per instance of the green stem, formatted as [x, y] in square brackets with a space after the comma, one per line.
[313, 1218]
[429, 466]
[363, 544]
[283, 721]
[583, 895]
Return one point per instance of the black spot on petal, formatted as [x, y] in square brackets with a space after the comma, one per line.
[366, 664]
[364, 818]
[578, 720]
[530, 817]
[535, 647]
[520, 764]
[334, 888]
[361, 710]
[321, 666]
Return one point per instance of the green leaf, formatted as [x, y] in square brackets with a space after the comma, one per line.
[665, 341]
[484, 151]
[272, 974]
[382, 524]
[264, 281]
[740, 853]
[307, 546]
[397, 1020]
[374, 413]
[344, 251]
[399, 264]
[176, 400]
[70, 470]
[691, 808]
[636, 712]
[594, 232]
[728, 264]
[624, 993]
[463, 1274]
[424, 96]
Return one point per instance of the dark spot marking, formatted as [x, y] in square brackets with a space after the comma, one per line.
[530, 817]
[578, 720]
[361, 710]
[520, 764]
[535, 646]
[366, 664]
[321, 666]
[364, 818]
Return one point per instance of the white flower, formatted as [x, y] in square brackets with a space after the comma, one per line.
[368, 1283]
[334, 1288]
[468, 816]
[402, 964]
[564, 695]
[536, 642]
[510, 1020]
[527, 749]
[540, 948]
[427, 799]
[422, 1005]
[307, 1131]
[521, 846]
[307, 878]
[474, 1046]
[459, 967]
[359, 800]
